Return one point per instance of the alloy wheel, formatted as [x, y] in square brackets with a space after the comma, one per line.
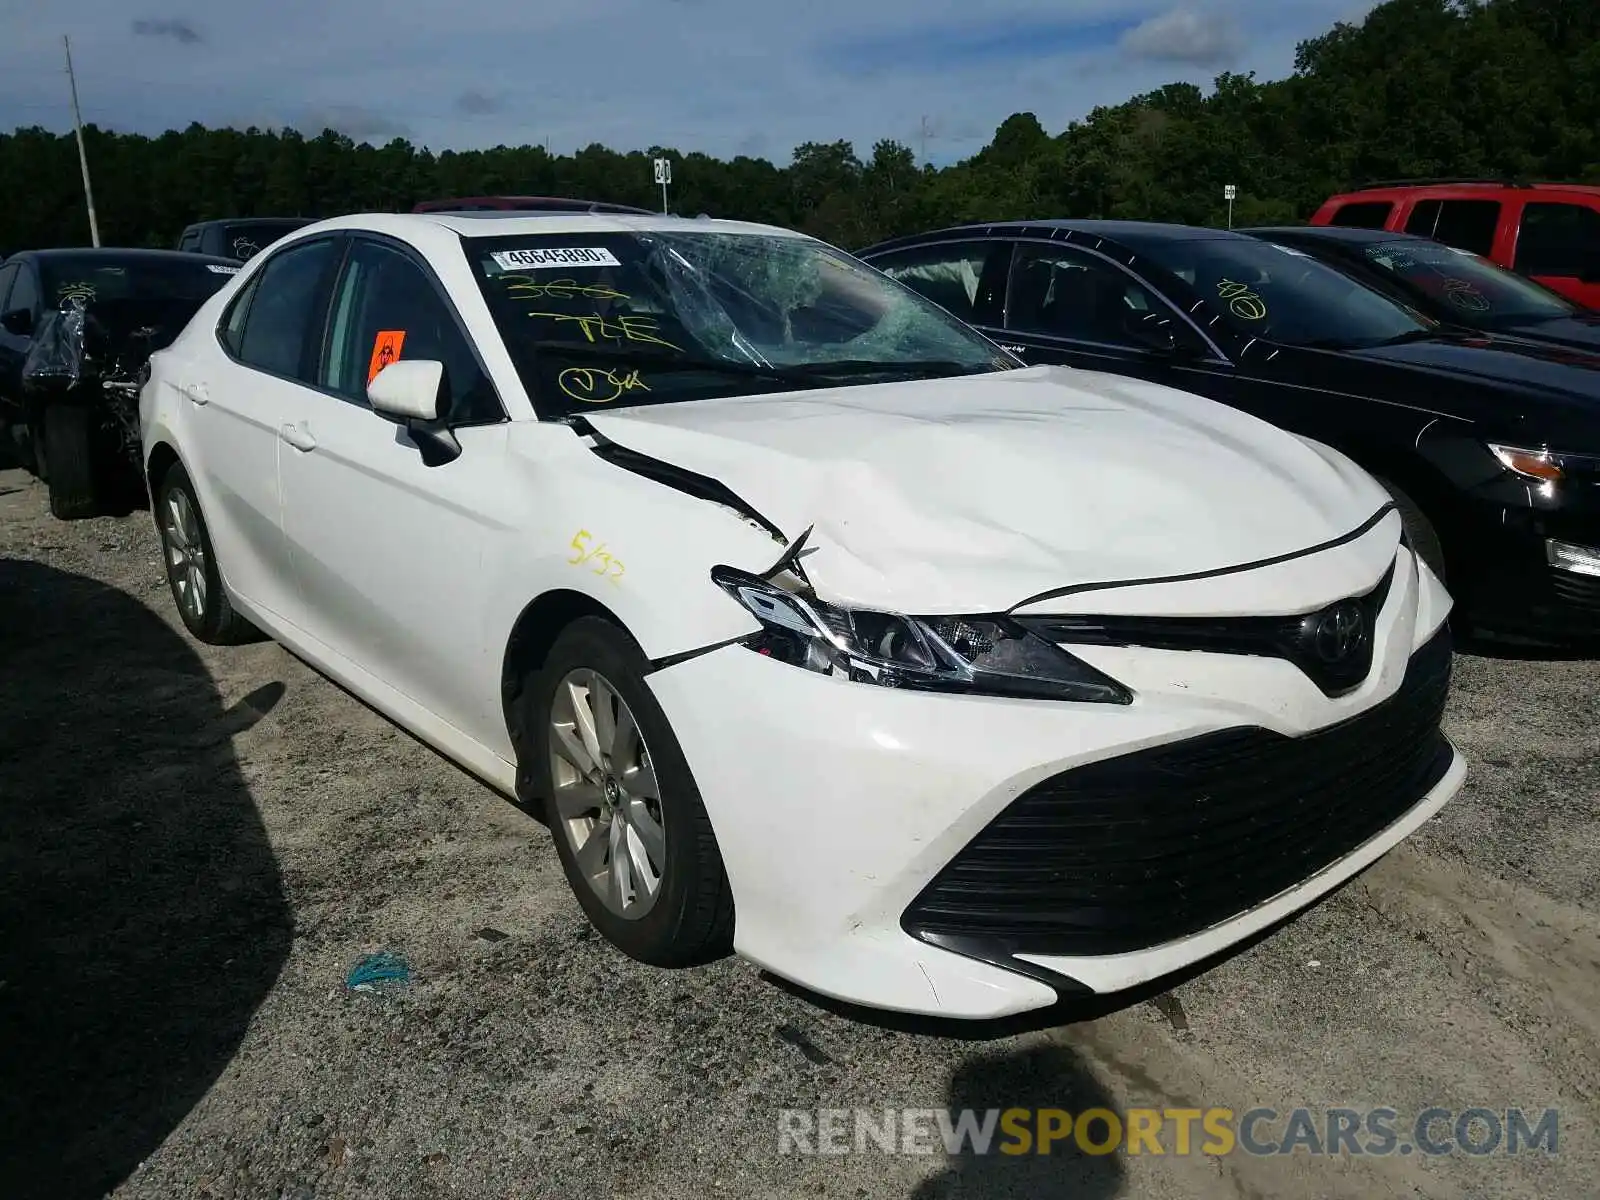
[186, 554]
[606, 797]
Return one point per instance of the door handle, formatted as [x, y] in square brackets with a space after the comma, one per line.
[297, 437]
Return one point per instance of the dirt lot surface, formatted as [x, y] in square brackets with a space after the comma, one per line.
[198, 844]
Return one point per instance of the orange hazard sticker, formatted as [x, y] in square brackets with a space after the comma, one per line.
[385, 350]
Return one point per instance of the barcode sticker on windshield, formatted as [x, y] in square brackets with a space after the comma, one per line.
[219, 269]
[554, 256]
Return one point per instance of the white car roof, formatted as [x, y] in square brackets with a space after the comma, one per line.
[421, 227]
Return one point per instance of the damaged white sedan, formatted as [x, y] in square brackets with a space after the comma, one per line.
[819, 628]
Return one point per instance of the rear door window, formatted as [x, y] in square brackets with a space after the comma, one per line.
[1365, 214]
[1464, 224]
[1561, 240]
[284, 322]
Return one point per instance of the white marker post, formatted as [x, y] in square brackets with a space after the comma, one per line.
[1230, 193]
[663, 177]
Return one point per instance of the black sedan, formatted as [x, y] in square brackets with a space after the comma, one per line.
[1453, 286]
[1491, 447]
[75, 327]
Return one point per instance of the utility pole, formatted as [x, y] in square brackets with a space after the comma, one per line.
[923, 140]
[83, 157]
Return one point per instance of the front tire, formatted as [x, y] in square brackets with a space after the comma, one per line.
[69, 453]
[628, 823]
[192, 565]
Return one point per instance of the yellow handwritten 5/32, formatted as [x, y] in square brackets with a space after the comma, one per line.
[595, 386]
[628, 327]
[588, 554]
[528, 288]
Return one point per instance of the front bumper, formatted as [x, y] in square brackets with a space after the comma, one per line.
[1511, 587]
[837, 805]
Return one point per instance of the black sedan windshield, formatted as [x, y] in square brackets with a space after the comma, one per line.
[96, 277]
[1268, 291]
[1483, 294]
[622, 318]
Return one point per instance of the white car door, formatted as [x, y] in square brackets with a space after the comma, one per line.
[387, 549]
[237, 395]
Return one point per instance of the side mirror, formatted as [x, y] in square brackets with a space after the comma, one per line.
[408, 393]
[18, 321]
[408, 390]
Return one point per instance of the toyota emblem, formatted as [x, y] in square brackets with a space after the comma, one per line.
[1340, 632]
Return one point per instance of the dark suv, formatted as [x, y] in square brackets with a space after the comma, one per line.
[240, 238]
[1549, 232]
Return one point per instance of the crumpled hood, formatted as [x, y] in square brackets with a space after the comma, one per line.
[973, 494]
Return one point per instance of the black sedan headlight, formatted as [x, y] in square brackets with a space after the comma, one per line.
[987, 655]
[1544, 464]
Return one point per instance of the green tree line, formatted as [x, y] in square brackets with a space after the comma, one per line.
[1491, 88]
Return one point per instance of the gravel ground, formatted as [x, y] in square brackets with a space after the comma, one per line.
[198, 844]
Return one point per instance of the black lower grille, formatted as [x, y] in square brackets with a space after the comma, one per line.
[1580, 591]
[1134, 851]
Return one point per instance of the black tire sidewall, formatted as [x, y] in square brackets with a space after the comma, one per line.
[177, 479]
[670, 934]
[68, 454]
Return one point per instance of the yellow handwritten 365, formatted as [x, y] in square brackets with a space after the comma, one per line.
[588, 554]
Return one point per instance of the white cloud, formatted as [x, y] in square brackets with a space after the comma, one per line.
[1184, 35]
[722, 76]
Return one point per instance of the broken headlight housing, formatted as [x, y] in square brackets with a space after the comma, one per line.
[981, 655]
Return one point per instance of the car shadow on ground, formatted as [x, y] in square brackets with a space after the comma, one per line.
[144, 917]
[1040, 1077]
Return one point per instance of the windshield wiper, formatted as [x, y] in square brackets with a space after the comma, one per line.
[1411, 335]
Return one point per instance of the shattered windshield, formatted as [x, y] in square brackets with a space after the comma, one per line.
[622, 318]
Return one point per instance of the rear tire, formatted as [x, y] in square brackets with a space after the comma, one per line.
[1423, 536]
[635, 812]
[69, 451]
[191, 562]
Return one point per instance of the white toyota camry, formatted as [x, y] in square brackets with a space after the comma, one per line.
[820, 629]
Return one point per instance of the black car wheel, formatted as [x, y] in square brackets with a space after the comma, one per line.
[192, 565]
[623, 808]
[69, 455]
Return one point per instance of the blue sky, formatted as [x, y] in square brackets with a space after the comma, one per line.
[722, 76]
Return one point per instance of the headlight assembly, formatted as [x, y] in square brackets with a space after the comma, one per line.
[987, 655]
[1530, 464]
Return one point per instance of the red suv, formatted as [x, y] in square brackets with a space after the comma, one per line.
[1547, 231]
